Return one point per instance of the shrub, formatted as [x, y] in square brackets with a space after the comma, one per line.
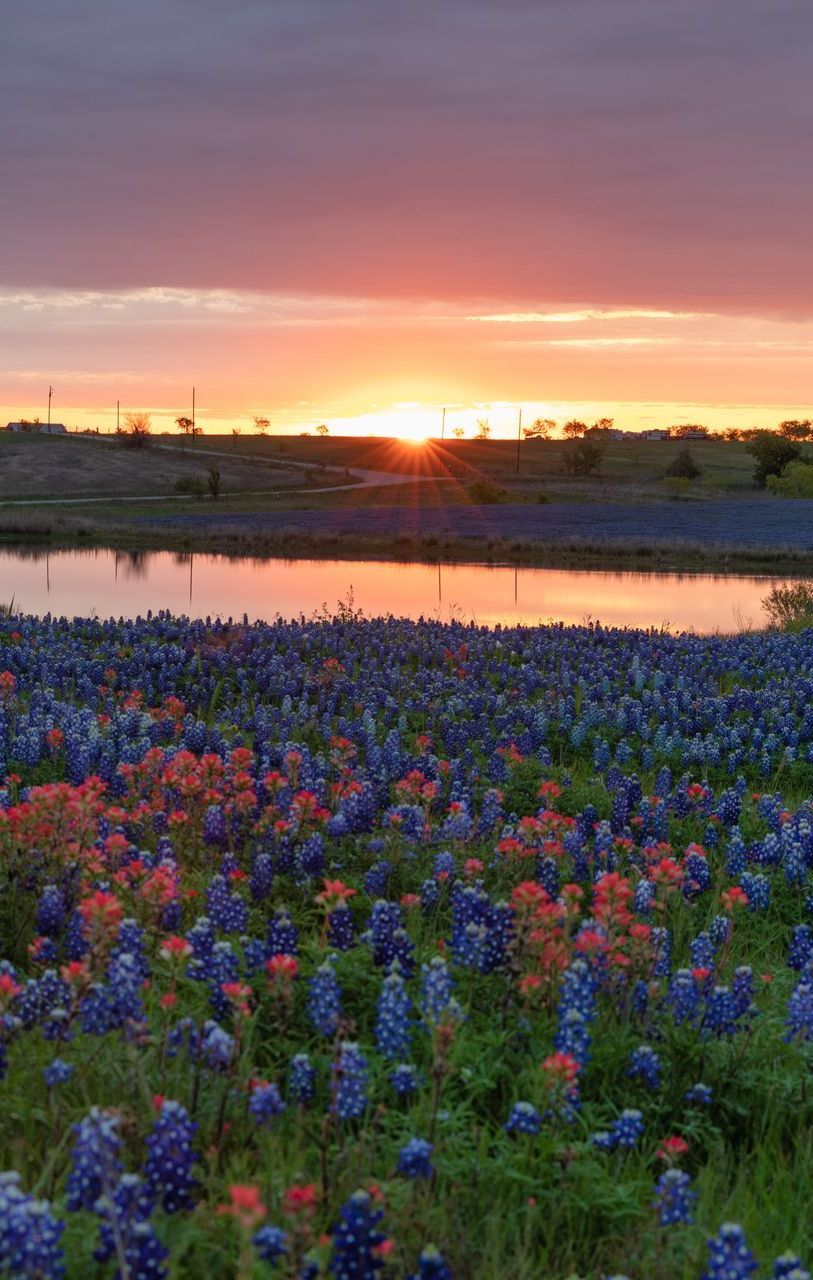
[213, 482]
[486, 493]
[583, 457]
[790, 608]
[683, 466]
[193, 485]
[137, 430]
[772, 454]
[796, 481]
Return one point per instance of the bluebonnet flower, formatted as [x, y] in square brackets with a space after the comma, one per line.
[50, 911]
[301, 1079]
[720, 931]
[30, 1237]
[350, 1082]
[340, 927]
[720, 1017]
[377, 878]
[271, 1244]
[431, 1266]
[437, 1002]
[684, 997]
[404, 1078]
[790, 1267]
[94, 1159]
[758, 888]
[283, 935]
[125, 1225]
[645, 1065]
[801, 947]
[265, 1103]
[799, 1020]
[57, 1072]
[674, 1198]
[393, 1028]
[524, 1118]
[415, 1159]
[576, 1010]
[388, 938]
[430, 895]
[324, 999]
[261, 878]
[357, 1240]
[624, 1132]
[216, 1046]
[702, 951]
[170, 1156]
[227, 911]
[729, 1256]
[699, 1093]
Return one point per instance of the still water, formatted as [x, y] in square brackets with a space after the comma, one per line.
[110, 583]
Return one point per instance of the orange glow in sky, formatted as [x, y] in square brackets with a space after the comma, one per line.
[366, 367]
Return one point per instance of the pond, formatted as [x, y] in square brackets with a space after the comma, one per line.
[110, 583]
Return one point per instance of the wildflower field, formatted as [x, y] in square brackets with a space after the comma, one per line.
[354, 948]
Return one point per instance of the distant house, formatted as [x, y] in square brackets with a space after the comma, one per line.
[694, 435]
[39, 428]
[656, 433]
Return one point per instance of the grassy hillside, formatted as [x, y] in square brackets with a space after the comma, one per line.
[76, 466]
[629, 464]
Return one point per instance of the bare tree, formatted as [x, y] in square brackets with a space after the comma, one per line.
[540, 429]
[323, 429]
[137, 430]
[573, 429]
[483, 431]
[185, 426]
[235, 436]
[458, 433]
[261, 425]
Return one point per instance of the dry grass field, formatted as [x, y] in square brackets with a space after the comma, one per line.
[34, 466]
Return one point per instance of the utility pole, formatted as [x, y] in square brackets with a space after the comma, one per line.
[118, 424]
[193, 416]
[519, 437]
[50, 393]
[443, 423]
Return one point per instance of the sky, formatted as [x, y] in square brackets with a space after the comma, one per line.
[359, 211]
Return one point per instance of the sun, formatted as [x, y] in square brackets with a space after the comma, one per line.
[418, 441]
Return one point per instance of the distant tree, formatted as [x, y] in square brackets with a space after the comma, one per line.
[458, 433]
[483, 431]
[303, 434]
[583, 457]
[540, 429]
[137, 430]
[573, 429]
[185, 426]
[261, 425]
[603, 424]
[213, 482]
[683, 466]
[686, 428]
[772, 453]
[236, 432]
[796, 429]
[323, 429]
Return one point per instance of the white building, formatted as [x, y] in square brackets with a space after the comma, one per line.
[39, 428]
